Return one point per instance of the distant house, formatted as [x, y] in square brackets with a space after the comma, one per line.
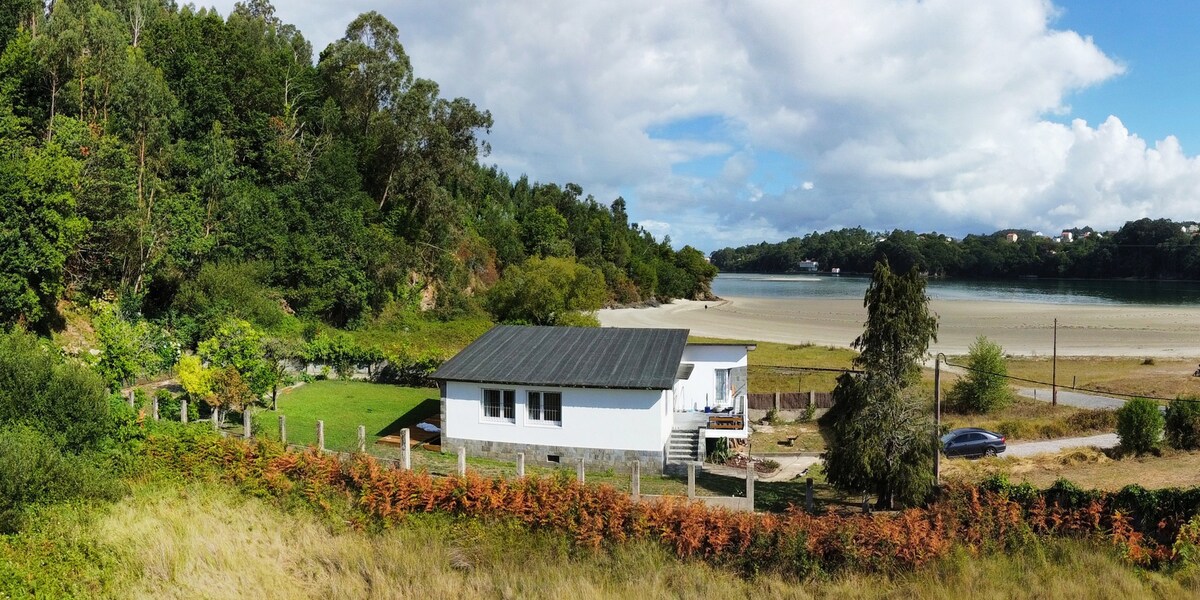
[1068, 237]
[1012, 237]
[807, 266]
[607, 395]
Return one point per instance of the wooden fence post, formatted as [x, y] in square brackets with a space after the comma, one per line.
[636, 483]
[321, 436]
[246, 433]
[154, 407]
[691, 466]
[362, 439]
[404, 436]
[750, 485]
[520, 464]
[183, 410]
[462, 461]
[283, 430]
[579, 474]
[808, 494]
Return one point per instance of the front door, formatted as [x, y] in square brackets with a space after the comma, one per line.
[722, 386]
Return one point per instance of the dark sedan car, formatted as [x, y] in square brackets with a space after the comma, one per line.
[972, 441]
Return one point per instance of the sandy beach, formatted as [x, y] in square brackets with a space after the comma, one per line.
[1022, 328]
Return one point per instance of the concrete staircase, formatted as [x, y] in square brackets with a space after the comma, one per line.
[683, 446]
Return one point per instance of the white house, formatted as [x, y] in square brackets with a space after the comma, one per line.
[608, 395]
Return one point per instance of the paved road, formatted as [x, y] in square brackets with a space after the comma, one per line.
[1020, 449]
[1069, 398]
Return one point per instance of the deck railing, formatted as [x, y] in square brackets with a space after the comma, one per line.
[727, 422]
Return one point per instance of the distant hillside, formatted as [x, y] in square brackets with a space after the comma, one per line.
[1144, 248]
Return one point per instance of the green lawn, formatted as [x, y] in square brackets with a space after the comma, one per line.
[344, 405]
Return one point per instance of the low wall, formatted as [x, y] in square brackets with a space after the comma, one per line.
[651, 461]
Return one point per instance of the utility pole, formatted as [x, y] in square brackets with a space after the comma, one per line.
[937, 420]
[1054, 369]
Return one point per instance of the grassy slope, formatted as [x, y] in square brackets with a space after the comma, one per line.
[1086, 467]
[173, 540]
[1164, 378]
[344, 405]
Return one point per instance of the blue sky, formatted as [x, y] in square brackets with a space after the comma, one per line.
[733, 123]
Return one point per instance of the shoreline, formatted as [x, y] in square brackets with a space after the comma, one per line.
[1022, 328]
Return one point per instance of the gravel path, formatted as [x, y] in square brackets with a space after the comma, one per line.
[1069, 398]
[1020, 449]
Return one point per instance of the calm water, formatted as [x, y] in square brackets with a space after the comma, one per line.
[1045, 291]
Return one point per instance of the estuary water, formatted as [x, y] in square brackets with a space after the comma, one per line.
[1041, 291]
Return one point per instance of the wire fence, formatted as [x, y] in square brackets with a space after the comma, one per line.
[1114, 395]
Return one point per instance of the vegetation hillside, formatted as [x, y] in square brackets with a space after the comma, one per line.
[187, 166]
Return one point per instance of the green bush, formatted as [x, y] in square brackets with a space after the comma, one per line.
[1183, 424]
[34, 471]
[985, 387]
[65, 400]
[1139, 425]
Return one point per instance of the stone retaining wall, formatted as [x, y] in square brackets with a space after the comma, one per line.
[651, 461]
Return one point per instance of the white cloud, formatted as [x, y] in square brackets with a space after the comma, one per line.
[923, 115]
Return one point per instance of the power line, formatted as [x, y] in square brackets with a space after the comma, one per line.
[1125, 397]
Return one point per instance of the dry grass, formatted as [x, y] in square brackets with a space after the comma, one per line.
[204, 541]
[1085, 467]
[1164, 378]
[773, 438]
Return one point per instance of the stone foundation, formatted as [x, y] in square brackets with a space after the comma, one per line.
[600, 458]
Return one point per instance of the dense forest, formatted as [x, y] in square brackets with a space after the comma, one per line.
[182, 167]
[1146, 248]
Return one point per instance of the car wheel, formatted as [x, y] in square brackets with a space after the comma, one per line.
[989, 452]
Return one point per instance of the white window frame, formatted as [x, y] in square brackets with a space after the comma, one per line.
[504, 393]
[540, 421]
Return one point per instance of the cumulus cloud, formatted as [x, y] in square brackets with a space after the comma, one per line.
[925, 115]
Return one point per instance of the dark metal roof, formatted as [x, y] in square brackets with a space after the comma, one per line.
[605, 357]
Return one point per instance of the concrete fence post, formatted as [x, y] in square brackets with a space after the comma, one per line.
[462, 461]
[132, 399]
[750, 486]
[283, 430]
[183, 410]
[579, 474]
[636, 484]
[808, 494]
[691, 466]
[866, 506]
[154, 407]
[520, 464]
[404, 437]
[362, 439]
[812, 398]
[321, 436]
[246, 433]
[216, 418]
[777, 404]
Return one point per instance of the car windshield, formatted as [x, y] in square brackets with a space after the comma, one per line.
[946, 438]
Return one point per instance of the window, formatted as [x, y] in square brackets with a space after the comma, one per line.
[545, 407]
[500, 405]
[722, 385]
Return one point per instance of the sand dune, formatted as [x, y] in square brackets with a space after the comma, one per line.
[1022, 328]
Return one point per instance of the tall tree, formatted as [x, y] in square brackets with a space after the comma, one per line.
[883, 440]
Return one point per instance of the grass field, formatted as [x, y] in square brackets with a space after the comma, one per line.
[1086, 467]
[201, 540]
[773, 366]
[1150, 377]
[344, 405]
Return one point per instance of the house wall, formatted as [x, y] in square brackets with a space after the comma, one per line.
[601, 426]
[699, 390]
